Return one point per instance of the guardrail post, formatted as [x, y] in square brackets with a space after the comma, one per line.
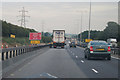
[19, 51]
[13, 53]
[6, 55]
[16, 53]
[10, 54]
[2, 55]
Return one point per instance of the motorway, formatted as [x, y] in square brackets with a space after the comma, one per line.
[66, 63]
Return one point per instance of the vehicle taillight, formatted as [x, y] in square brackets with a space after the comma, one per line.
[54, 42]
[91, 48]
[109, 48]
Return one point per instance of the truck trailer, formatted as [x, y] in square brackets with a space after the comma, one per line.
[58, 38]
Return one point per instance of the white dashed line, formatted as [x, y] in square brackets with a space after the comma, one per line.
[51, 75]
[29, 63]
[19, 69]
[82, 61]
[12, 74]
[76, 56]
[95, 70]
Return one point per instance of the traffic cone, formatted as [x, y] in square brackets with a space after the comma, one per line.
[6, 46]
[2, 46]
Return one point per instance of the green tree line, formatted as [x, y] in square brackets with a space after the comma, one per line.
[8, 29]
[20, 32]
[112, 30]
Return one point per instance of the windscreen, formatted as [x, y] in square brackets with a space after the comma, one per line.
[99, 43]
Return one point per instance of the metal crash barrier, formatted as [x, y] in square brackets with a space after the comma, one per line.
[8, 53]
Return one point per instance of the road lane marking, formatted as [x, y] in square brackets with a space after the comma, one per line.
[19, 69]
[29, 63]
[82, 61]
[115, 57]
[51, 75]
[76, 56]
[11, 74]
[95, 70]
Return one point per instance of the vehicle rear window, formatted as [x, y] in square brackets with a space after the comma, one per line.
[98, 43]
[73, 42]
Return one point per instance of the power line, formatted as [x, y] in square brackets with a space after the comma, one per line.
[23, 17]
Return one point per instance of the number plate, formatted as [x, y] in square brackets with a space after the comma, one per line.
[100, 49]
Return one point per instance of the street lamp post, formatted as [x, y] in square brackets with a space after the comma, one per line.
[81, 27]
[89, 21]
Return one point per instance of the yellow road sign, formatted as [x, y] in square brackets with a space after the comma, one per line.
[88, 40]
[35, 42]
[12, 36]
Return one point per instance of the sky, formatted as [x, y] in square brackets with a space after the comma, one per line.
[61, 15]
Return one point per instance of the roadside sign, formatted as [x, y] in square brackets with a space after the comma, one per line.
[35, 42]
[12, 36]
[88, 40]
[35, 36]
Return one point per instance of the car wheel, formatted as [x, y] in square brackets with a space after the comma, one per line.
[88, 57]
[109, 58]
[85, 56]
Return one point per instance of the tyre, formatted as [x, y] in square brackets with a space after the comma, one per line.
[62, 47]
[109, 58]
[88, 57]
[85, 56]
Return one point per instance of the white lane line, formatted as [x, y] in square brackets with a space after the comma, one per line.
[11, 74]
[51, 75]
[115, 57]
[19, 69]
[29, 63]
[95, 70]
[82, 61]
[76, 56]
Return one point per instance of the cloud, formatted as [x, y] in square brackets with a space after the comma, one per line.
[61, 15]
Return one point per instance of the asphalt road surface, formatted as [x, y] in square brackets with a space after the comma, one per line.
[66, 63]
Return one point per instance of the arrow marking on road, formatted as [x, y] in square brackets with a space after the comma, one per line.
[95, 70]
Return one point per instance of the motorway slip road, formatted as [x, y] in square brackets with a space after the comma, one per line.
[66, 63]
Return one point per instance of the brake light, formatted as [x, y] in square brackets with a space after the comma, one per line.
[91, 48]
[54, 42]
[109, 49]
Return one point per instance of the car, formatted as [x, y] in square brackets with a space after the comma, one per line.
[98, 49]
[84, 45]
[72, 44]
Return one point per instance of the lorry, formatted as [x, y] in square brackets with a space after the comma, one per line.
[58, 38]
[112, 42]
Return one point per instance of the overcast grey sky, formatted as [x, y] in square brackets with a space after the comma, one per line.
[62, 15]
